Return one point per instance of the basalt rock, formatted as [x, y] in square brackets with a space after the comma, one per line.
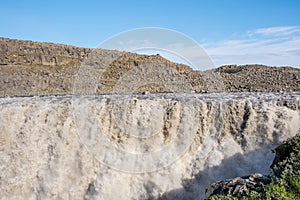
[238, 187]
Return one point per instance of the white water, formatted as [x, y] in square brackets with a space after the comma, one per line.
[138, 147]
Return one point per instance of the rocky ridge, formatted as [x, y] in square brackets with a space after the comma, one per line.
[253, 78]
[34, 68]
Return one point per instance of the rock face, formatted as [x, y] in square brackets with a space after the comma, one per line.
[238, 187]
[29, 68]
[47, 151]
[17, 52]
[32, 68]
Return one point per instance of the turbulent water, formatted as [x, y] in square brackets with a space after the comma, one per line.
[168, 146]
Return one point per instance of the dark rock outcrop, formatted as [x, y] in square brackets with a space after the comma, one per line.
[239, 186]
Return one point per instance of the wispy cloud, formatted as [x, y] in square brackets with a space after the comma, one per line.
[276, 46]
[276, 31]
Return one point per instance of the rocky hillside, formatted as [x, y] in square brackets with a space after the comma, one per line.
[18, 52]
[259, 78]
[33, 68]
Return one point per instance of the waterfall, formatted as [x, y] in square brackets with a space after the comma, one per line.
[155, 146]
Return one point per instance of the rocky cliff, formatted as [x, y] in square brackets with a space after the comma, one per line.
[138, 146]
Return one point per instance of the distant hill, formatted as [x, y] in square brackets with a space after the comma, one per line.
[34, 68]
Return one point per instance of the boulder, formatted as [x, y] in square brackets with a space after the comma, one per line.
[239, 186]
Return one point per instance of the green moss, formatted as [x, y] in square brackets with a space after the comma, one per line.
[270, 192]
[278, 191]
[294, 184]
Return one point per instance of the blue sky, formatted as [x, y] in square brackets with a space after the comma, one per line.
[231, 31]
